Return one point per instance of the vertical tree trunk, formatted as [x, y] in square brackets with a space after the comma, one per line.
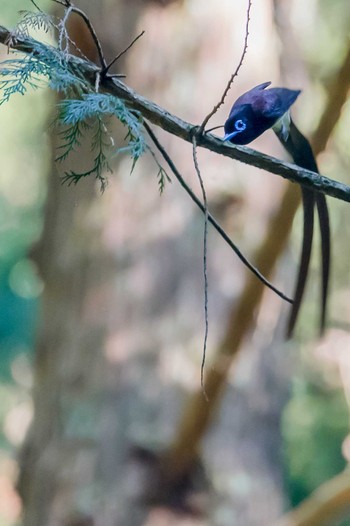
[59, 459]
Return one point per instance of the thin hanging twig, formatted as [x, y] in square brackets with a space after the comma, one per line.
[205, 268]
[229, 84]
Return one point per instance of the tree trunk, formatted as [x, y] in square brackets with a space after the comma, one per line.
[59, 461]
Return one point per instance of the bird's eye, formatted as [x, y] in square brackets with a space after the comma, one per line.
[240, 125]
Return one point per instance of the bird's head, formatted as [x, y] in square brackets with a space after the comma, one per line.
[256, 111]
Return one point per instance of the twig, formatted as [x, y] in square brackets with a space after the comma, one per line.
[105, 71]
[71, 8]
[62, 31]
[36, 6]
[90, 27]
[211, 219]
[229, 84]
[214, 128]
[205, 269]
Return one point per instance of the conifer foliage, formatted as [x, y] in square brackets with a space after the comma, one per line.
[83, 112]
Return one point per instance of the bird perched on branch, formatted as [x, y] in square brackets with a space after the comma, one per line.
[252, 114]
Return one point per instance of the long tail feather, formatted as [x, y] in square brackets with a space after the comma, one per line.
[323, 216]
[300, 150]
[308, 233]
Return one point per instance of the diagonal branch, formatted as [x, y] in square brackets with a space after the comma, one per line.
[184, 130]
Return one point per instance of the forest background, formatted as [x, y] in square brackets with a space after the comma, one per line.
[101, 296]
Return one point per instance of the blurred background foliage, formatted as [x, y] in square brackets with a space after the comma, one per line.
[315, 420]
[315, 424]
[24, 155]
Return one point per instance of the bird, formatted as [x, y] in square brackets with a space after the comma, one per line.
[253, 113]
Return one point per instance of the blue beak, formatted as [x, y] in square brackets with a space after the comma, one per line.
[229, 136]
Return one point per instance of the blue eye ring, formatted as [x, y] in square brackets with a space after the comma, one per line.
[240, 125]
